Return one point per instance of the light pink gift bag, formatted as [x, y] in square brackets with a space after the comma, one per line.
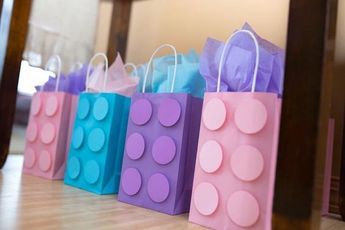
[48, 132]
[236, 160]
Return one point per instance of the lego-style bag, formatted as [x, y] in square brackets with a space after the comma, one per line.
[235, 167]
[48, 132]
[95, 157]
[160, 151]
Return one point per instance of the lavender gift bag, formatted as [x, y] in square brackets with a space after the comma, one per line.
[160, 151]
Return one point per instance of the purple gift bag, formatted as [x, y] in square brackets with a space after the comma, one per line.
[160, 151]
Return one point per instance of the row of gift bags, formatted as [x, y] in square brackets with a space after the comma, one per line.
[53, 113]
[174, 151]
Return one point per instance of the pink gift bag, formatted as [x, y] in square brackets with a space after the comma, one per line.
[236, 160]
[48, 131]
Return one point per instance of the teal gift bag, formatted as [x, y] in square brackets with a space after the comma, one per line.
[95, 157]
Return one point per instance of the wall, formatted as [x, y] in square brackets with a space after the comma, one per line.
[187, 24]
[105, 10]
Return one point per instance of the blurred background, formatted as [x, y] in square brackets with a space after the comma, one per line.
[185, 24]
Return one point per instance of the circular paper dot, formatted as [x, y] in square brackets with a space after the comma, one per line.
[169, 112]
[30, 158]
[135, 146]
[131, 181]
[83, 108]
[206, 198]
[243, 209]
[31, 132]
[164, 150]
[48, 133]
[92, 172]
[250, 116]
[141, 112]
[36, 105]
[211, 156]
[214, 114]
[78, 137]
[52, 106]
[45, 161]
[247, 163]
[158, 188]
[96, 139]
[73, 168]
[100, 108]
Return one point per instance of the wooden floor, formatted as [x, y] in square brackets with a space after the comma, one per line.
[33, 203]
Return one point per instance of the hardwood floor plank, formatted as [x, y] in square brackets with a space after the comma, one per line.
[28, 202]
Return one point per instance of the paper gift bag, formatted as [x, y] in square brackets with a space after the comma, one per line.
[160, 151]
[235, 166]
[95, 156]
[47, 134]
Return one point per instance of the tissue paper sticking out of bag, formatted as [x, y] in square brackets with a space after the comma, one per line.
[188, 78]
[73, 83]
[239, 63]
[118, 80]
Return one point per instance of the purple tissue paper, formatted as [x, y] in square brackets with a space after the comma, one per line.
[73, 83]
[239, 63]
